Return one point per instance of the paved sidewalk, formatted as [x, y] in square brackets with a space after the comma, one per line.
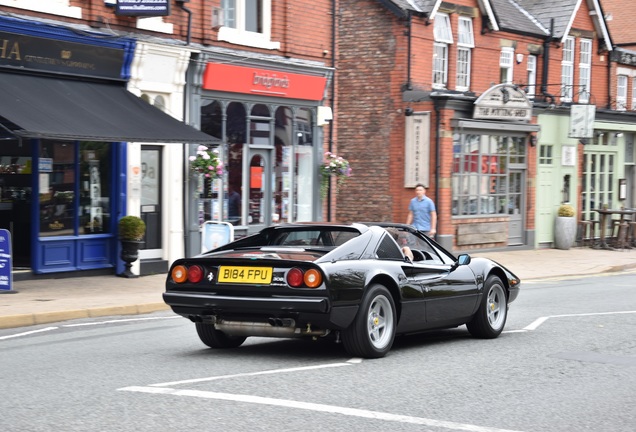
[46, 301]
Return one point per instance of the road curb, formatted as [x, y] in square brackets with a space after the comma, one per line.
[13, 321]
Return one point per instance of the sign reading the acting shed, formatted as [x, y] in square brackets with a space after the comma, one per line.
[143, 7]
[503, 102]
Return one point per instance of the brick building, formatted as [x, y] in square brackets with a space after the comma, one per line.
[476, 99]
[247, 74]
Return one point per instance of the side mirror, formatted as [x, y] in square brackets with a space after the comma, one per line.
[463, 259]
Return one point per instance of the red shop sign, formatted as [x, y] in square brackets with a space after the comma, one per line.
[240, 79]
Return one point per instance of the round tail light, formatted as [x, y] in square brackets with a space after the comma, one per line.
[312, 278]
[295, 277]
[179, 274]
[195, 274]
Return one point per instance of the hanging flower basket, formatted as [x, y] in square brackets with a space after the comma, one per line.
[207, 163]
[333, 166]
[207, 166]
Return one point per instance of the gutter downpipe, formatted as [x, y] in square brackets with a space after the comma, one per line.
[438, 123]
[546, 61]
[189, 12]
[332, 96]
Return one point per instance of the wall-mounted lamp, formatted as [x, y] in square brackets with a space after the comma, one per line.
[519, 58]
[533, 140]
[110, 2]
[618, 134]
[408, 112]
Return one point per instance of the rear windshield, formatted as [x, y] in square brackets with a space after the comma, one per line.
[312, 238]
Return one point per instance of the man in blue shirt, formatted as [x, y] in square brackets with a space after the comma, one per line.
[422, 214]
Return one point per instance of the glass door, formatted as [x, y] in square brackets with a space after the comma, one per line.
[151, 200]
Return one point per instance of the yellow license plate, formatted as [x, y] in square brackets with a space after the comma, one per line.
[255, 275]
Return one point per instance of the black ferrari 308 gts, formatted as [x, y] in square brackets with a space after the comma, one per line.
[352, 282]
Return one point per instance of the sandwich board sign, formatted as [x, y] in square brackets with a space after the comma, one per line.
[6, 277]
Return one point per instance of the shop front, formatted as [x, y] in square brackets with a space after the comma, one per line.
[65, 119]
[490, 170]
[268, 117]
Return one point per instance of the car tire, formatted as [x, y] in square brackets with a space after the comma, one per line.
[490, 319]
[372, 332]
[215, 338]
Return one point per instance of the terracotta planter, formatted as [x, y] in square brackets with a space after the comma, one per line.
[564, 232]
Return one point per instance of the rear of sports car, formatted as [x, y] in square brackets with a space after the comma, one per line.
[276, 292]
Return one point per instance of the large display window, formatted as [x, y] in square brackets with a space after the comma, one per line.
[483, 182]
[268, 154]
[75, 188]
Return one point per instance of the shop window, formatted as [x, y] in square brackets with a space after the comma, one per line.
[290, 175]
[74, 198]
[16, 197]
[567, 69]
[283, 141]
[303, 169]
[245, 22]
[481, 181]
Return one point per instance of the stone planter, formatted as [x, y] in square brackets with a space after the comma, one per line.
[129, 254]
[564, 232]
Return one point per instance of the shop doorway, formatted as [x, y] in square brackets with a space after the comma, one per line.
[260, 181]
[151, 201]
[515, 206]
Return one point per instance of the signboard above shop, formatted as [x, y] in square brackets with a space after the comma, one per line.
[263, 82]
[503, 102]
[26, 52]
[143, 7]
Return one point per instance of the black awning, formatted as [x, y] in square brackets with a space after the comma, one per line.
[52, 108]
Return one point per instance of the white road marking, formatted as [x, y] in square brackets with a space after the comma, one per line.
[119, 320]
[541, 320]
[332, 409]
[267, 372]
[28, 333]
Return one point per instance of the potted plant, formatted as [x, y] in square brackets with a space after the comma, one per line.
[565, 227]
[131, 233]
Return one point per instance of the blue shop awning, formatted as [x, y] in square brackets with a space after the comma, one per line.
[61, 109]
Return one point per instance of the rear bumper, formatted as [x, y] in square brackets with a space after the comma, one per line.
[206, 303]
[317, 311]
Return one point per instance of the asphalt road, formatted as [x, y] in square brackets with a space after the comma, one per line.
[566, 362]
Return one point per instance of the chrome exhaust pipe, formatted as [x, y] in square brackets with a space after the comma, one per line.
[275, 327]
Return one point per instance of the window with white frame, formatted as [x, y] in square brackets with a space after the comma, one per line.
[634, 94]
[245, 22]
[505, 65]
[531, 79]
[443, 37]
[621, 93]
[567, 69]
[465, 43]
[585, 65]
